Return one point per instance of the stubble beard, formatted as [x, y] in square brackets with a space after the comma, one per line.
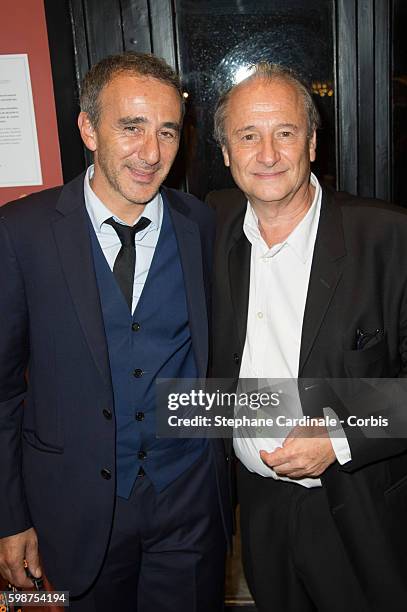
[112, 176]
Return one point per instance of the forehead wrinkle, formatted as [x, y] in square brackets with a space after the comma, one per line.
[268, 96]
[265, 107]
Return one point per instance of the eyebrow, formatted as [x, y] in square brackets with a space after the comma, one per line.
[132, 120]
[287, 125]
[247, 128]
[138, 120]
[172, 126]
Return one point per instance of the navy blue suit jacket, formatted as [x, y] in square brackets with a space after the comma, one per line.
[55, 378]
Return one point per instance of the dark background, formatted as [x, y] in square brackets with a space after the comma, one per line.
[357, 48]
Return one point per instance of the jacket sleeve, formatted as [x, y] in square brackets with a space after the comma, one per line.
[14, 350]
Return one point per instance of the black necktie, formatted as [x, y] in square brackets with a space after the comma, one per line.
[125, 262]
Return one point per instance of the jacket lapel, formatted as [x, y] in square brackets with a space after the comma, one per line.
[239, 275]
[71, 229]
[326, 270]
[238, 252]
[189, 244]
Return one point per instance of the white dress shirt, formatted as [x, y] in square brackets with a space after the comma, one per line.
[145, 240]
[279, 278]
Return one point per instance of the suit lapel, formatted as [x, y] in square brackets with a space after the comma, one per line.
[239, 275]
[326, 270]
[189, 245]
[71, 229]
[238, 252]
[232, 257]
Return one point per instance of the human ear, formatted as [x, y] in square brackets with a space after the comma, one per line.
[87, 131]
[225, 156]
[313, 146]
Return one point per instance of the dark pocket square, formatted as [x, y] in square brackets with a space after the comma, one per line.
[366, 339]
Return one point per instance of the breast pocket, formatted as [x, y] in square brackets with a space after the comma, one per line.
[370, 362]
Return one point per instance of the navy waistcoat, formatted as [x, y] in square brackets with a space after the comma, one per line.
[154, 342]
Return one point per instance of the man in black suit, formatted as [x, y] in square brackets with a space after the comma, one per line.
[309, 284]
[104, 288]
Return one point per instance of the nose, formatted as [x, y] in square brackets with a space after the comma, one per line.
[149, 152]
[268, 152]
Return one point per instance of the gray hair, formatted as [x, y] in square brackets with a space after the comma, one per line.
[135, 64]
[268, 71]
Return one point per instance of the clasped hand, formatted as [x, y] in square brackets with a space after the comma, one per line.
[306, 453]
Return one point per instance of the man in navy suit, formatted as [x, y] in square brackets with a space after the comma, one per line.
[105, 287]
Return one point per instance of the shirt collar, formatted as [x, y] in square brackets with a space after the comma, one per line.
[301, 239]
[99, 213]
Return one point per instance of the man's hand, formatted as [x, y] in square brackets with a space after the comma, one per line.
[13, 550]
[306, 453]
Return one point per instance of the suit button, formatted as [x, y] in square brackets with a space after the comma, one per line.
[135, 326]
[141, 454]
[236, 358]
[139, 416]
[107, 414]
[138, 373]
[106, 474]
[227, 457]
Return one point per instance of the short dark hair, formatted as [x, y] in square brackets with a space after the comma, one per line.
[268, 71]
[135, 64]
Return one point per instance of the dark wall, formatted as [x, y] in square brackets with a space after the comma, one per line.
[83, 31]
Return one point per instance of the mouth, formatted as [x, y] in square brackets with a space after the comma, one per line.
[142, 176]
[269, 176]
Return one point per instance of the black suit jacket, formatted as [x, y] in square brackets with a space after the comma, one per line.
[55, 446]
[358, 280]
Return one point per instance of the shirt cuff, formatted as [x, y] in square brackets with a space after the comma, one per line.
[338, 438]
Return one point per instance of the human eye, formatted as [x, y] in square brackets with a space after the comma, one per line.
[286, 134]
[132, 129]
[168, 135]
[249, 137]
